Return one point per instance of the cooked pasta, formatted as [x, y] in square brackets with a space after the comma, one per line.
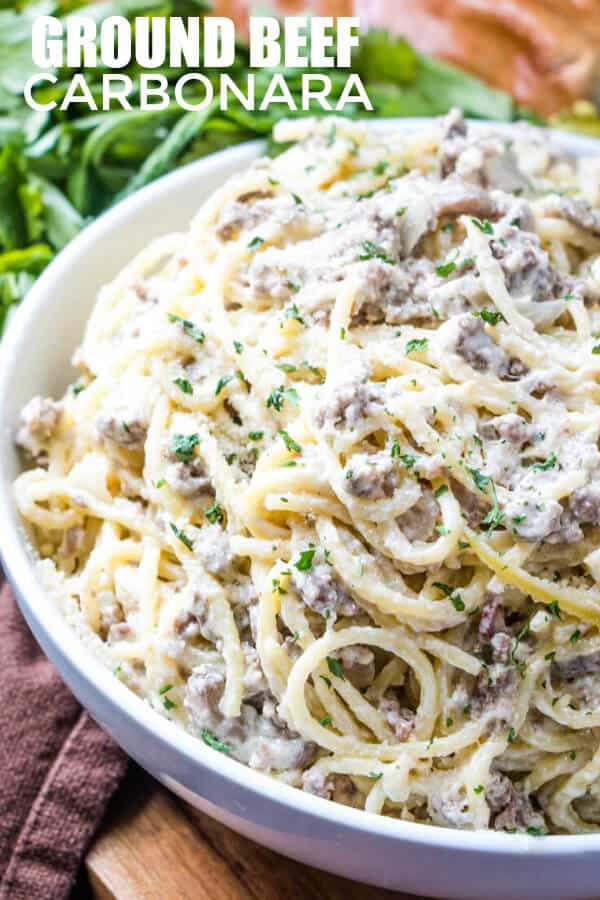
[327, 492]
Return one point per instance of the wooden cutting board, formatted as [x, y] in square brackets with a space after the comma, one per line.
[154, 846]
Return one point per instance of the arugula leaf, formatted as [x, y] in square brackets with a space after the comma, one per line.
[548, 463]
[492, 317]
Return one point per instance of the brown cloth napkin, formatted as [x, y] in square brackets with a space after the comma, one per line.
[59, 769]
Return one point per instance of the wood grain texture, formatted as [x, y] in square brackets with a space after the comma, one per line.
[155, 847]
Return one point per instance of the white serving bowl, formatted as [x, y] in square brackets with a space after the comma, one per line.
[424, 860]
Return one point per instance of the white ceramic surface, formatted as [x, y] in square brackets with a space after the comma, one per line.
[416, 858]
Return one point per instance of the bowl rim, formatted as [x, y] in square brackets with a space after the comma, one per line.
[18, 561]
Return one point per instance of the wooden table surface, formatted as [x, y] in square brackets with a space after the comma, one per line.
[154, 846]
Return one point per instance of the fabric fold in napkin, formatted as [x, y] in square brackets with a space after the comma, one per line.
[59, 769]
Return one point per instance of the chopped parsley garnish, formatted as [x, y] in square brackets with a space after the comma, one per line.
[492, 317]
[512, 735]
[550, 656]
[396, 450]
[478, 789]
[214, 742]
[287, 368]
[325, 721]
[374, 251]
[495, 516]
[289, 442]
[276, 587]
[305, 560]
[445, 269]
[278, 397]
[455, 598]
[214, 513]
[547, 464]
[314, 370]
[256, 435]
[449, 722]
[375, 775]
[183, 445]
[168, 704]
[225, 379]
[535, 832]
[335, 667]
[189, 328]
[292, 312]
[297, 199]
[255, 243]
[238, 346]
[408, 460]
[416, 345]
[485, 227]
[77, 388]
[184, 385]
[160, 483]
[555, 609]
[575, 636]
[441, 490]
[596, 349]
[480, 479]
[182, 536]
[380, 167]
